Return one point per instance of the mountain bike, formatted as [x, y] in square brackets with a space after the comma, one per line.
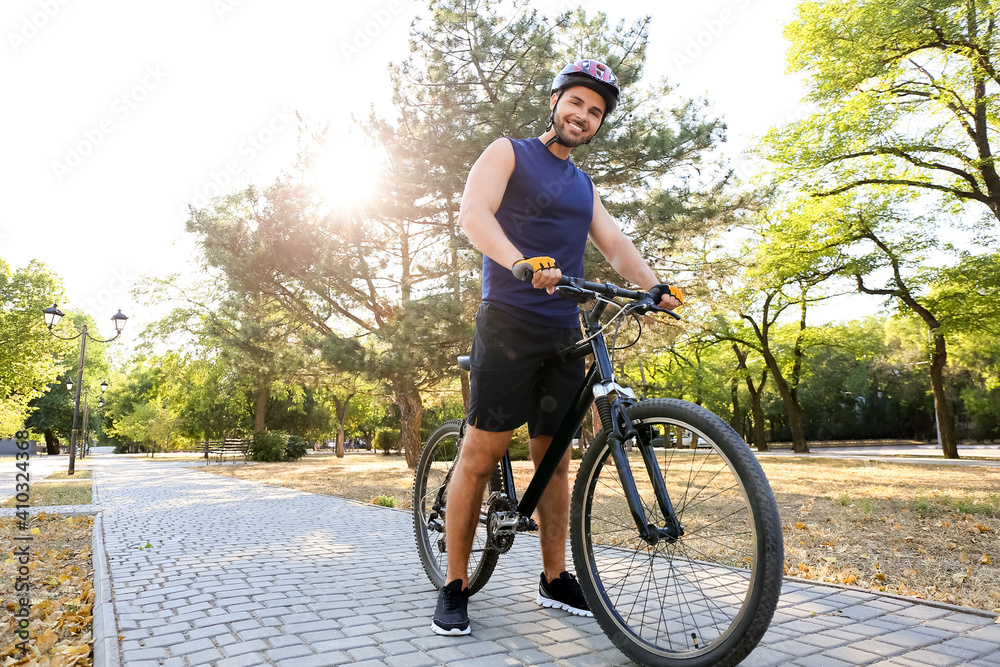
[674, 531]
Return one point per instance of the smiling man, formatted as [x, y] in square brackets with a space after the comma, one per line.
[525, 201]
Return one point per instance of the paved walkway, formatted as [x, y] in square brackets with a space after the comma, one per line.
[238, 573]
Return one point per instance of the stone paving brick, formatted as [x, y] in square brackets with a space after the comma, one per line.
[207, 657]
[288, 653]
[245, 660]
[990, 633]
[157, 653]
[916, 638]
[852, 655]
[821, 661]
[164, 640]
[251, 646]
[344, 644]
[360, 630]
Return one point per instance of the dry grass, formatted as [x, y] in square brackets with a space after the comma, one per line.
[79, 474]
[925, 531]
[75, 492]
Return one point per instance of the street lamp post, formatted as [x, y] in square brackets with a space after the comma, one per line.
[52, 317]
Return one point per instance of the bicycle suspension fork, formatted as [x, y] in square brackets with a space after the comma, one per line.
[610, 399]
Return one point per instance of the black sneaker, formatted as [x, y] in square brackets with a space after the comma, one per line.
[563, 593]
[451, 616]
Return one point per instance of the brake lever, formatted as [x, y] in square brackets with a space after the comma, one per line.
[647, 306]
[574, 293]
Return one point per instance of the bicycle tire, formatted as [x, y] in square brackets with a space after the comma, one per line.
[433, 472]
[707, 598]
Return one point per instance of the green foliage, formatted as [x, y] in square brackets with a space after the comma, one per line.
[385, 501]
[518, 449]
[908, 96]
[268, 446]
[30, 358]
[387, 441]
[296, 448]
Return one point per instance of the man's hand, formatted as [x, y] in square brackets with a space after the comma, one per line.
[666, 296]
[544, 272]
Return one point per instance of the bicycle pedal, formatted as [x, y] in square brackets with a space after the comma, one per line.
[526, 524]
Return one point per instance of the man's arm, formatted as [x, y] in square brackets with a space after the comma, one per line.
[484, 191]
[619, 250]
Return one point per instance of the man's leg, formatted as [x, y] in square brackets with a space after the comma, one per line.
[553, 510]
[480, 453]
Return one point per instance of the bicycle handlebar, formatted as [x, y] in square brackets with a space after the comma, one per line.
[579, 289]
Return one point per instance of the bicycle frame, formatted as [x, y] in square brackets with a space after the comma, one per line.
[599, 381]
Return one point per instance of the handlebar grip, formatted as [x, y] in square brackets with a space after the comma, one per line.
[524, 269]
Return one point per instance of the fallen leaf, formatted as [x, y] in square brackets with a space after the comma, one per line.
[986, 560]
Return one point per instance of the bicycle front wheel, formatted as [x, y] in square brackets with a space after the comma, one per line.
[707, 597]
[430, 497]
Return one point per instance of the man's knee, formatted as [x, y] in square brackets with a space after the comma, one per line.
[482, 450]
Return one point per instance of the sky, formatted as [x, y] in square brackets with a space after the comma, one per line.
[119, 114]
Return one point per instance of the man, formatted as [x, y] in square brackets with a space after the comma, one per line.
[525, 201]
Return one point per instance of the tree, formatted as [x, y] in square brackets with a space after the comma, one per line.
[29, 355]
[909, 93]
[764, 289]
[863, 237]
[245, 330]
[151, 424]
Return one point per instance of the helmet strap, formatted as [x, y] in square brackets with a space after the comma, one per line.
[556, 138]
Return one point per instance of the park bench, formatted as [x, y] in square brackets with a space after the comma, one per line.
[229, 447]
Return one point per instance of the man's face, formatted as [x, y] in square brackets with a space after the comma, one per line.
[578, 115]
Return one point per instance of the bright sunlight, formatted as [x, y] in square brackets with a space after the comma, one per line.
[347, 171]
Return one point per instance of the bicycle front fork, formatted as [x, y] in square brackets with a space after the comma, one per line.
[621, 431]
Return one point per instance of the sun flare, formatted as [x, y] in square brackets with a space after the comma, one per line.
[347, 172]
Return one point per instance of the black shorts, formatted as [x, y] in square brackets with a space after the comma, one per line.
[518, 374]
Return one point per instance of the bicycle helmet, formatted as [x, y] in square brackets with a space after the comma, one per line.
[592, 74]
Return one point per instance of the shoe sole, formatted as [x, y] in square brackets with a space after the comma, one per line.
[454, 632]
[549, 603]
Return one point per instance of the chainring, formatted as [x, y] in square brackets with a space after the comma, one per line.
[498, 502]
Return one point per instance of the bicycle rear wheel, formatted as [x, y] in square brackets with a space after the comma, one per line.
[707, 598]
[430, 496]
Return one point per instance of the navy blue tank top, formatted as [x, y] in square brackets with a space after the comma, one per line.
[546, 210]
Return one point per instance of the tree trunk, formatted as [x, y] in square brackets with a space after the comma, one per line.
[757, 430]
[341, 416]
[757, 437]
[260, 408]
[793, 412]
[51, 442]
[942, 411]
[734, 393]
[411, 411]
